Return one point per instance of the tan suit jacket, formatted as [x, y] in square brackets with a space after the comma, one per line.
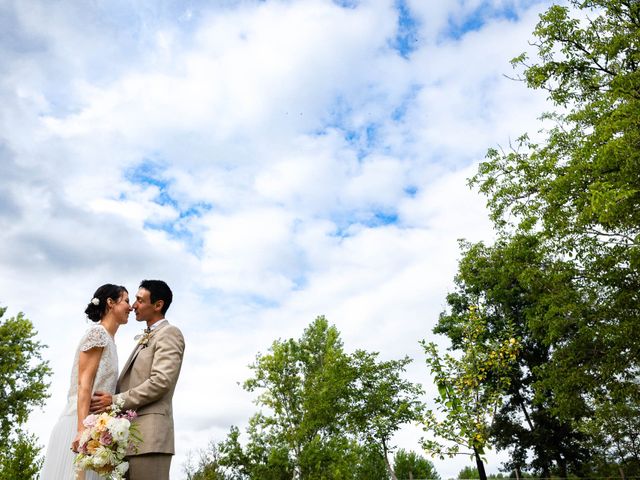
[147, 383]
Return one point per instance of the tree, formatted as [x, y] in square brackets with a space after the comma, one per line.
[305, 385]
[581, 187]
[468, 473]
[384, 401]
[208, 465]
[578, 192]
[525, 293]
[324, 413]
[471, 473]
[470, 388]
[614, 431]
[21, 459]
[371, 464]
[410, 465]
[23, 386]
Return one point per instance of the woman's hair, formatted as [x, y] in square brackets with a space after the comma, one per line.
[97, 307]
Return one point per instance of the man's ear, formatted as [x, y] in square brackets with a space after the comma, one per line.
[158, 305]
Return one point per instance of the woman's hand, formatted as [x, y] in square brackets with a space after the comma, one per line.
[75, 445]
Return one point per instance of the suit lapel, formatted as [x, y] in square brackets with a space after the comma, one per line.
[137, 350]
[127, 365]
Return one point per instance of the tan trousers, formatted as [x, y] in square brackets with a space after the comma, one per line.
[150, 466]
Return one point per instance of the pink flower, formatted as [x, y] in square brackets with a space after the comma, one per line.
[130, 415]
[90, 421]
[106, 438]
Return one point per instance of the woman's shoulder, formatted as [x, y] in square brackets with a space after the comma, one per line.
[95, 336]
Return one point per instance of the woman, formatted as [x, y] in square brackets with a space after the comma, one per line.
[95, 367]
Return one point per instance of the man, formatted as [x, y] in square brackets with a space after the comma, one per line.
[147, 382]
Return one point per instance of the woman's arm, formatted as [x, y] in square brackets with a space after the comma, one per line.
[87, 367]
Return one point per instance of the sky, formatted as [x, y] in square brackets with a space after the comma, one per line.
[271, 160]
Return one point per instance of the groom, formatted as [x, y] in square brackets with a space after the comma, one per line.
[147, 382]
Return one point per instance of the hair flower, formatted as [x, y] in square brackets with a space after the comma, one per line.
[95, 301]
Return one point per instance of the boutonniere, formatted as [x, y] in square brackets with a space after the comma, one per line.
[143, 338]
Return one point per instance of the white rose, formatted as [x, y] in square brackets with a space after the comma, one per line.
[122, 468]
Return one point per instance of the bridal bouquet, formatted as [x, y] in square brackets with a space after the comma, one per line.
[105, 442]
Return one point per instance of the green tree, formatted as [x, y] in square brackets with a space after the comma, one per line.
[471, 388]
[410, 465]
[471, 473]
[578, 191]
[324, 413]
[21, 459]
[383, 400]
[580, 187]
[468, 473]
[526, 294]
[614, 430]
[208, 465]
[371, 464]
[23, 386]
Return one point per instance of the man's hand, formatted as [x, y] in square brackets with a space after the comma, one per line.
[100, 402]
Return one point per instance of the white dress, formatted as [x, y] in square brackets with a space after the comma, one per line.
[58, 463]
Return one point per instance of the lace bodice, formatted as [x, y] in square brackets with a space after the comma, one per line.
[107, 373]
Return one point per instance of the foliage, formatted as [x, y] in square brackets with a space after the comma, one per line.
[411, 465]
[614, 430]
[23, 386]
[324, 413]
[468, 473]
[526, 294]
[22, 373]
[580, 189]
[574, 292]
[208, 465]
[383, 401]
[21, 459]
[470, 387]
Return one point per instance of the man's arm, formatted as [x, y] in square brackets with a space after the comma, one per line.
[167, 360]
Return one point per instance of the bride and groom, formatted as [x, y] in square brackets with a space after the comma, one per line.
[145, 384]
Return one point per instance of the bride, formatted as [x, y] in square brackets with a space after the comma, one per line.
[95, 367]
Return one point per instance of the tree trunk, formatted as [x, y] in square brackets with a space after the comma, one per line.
[546, 472]
[526, 413]
[562, 465]
[386, 461]
[480, 465]
[621, 472]
[410, 475]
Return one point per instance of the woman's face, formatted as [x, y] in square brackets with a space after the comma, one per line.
[121, 309]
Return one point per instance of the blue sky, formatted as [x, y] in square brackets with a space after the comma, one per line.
[272, 160]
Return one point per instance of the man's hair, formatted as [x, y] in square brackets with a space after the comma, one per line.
[159, 290]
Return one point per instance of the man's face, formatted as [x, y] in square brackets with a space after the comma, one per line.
[145, 310]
